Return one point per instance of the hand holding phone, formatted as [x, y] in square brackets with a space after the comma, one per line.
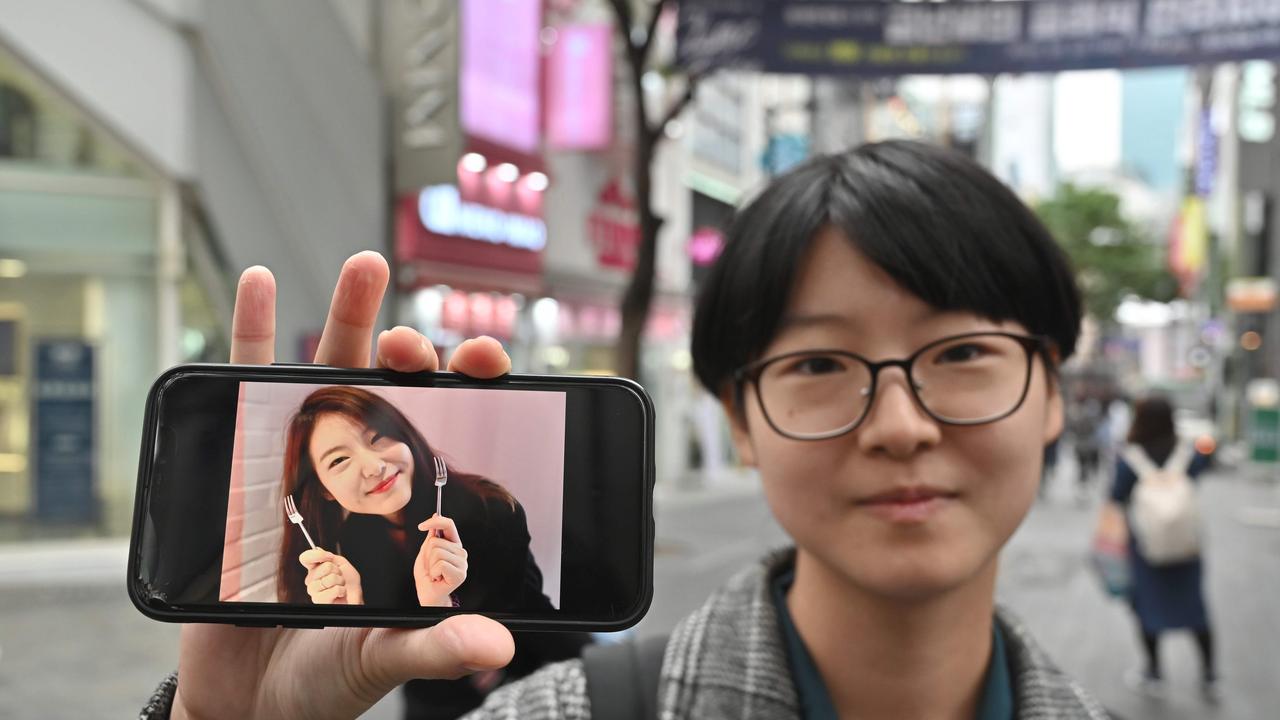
[441, 565]
[229, 671]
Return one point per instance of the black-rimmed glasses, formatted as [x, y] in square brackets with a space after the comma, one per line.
[968, 379]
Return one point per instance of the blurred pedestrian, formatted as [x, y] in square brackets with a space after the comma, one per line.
[1165, 594]
[1089, 435]
[1050, 468]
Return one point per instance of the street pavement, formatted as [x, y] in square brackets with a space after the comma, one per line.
[72, 646]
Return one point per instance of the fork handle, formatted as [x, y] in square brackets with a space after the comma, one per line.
[439, 491]
[306, 535]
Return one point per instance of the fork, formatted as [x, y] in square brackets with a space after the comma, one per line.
[442, 477]
[295, 517]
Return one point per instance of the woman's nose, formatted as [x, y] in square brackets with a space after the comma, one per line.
[897, 425]
[372, 465]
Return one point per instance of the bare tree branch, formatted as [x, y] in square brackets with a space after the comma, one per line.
[658, 7]
[691, 86]
[622, 9]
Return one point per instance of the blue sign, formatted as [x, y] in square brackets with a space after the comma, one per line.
[64, 431]
[784, 152]
[858, 37]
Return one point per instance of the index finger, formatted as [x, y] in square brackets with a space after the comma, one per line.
[253, 322]
[442, 523]
[315, 556]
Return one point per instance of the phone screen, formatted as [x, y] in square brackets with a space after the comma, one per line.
[281, 495]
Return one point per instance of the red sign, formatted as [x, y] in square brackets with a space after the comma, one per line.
[614, 228]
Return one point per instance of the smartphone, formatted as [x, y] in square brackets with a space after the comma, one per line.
[293, 495]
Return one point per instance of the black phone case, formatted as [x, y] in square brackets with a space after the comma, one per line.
[297, 617]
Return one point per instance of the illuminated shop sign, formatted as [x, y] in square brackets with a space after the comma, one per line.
[500, 60]
[580, 87]
[443, 211]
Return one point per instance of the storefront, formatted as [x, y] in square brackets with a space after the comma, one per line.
[96, 297]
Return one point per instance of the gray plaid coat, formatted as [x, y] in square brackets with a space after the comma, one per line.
[728, 660]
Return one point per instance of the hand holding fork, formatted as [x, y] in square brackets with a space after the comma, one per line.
[331, 579]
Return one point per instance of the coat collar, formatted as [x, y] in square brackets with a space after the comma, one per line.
[728, 659]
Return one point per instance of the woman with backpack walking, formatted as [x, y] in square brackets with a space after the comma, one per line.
[1153, 484]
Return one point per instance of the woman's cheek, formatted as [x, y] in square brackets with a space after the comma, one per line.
[800, 493]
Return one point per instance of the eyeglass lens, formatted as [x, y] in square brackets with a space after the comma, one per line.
[963, 380]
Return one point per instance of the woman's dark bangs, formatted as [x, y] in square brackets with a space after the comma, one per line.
[938, 224]
[741, 303]
[939, 242]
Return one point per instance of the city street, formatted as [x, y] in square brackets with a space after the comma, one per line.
[71, 645]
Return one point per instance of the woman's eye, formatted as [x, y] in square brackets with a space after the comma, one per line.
[816, 365]
[337, 461]
[961, 353]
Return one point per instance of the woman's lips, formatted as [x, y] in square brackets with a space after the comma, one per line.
[908, 505]
[385, 485]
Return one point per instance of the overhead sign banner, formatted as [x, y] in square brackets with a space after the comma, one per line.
[857, 37]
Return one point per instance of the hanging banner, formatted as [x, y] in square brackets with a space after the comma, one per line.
[500, 61]
[857, 37]
[580, 88]
[63, 431]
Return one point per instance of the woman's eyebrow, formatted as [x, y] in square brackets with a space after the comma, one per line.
[333, 450]
[791, 321]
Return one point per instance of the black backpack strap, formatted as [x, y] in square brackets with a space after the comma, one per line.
[622, 678]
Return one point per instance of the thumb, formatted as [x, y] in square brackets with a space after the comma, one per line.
[458, 646]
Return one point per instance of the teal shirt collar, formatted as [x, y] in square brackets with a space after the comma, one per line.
[996, 702]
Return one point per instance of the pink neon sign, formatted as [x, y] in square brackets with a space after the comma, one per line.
[580, 88]
[499, 71]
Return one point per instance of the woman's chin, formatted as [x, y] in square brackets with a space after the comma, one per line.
[913, 579]
[393, 502]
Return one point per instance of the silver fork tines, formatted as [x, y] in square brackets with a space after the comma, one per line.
[442, 472]
[442, 477]
[295, 517]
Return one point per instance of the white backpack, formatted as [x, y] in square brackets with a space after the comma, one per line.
[1165, 511]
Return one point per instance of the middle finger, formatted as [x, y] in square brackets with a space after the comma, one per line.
[348, 331]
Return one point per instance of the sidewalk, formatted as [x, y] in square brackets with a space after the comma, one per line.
[64, 562]
[1046, 580]
[72, 646]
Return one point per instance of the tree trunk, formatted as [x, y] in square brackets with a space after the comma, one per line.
[638, 297]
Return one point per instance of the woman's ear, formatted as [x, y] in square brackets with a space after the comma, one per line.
[1053, 408]
[738, 426]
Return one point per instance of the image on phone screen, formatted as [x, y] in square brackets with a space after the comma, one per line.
[330, 486]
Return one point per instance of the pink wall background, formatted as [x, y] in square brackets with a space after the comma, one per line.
[514, 438]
